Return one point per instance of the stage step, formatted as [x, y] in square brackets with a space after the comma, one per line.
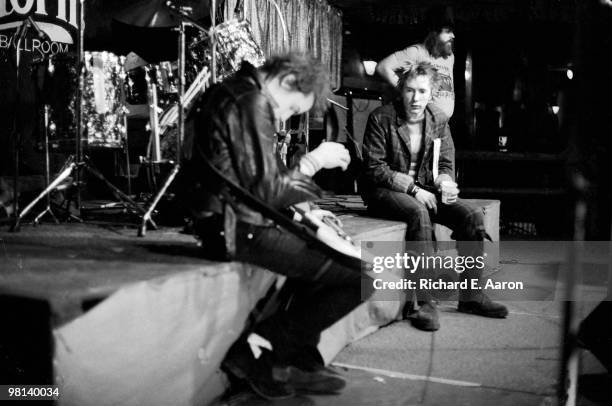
[362, 227]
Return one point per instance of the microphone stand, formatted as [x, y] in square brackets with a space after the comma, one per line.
[185, 21]
[48, 210]
[19, 37]
[46, 122]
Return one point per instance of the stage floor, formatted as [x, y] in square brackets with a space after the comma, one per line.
[90, 261]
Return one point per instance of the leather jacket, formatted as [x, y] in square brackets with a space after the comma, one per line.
[233, 126]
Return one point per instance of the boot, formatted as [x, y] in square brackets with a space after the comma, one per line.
[309, 382]
[257, 373]
[426, 318]
[480, 304]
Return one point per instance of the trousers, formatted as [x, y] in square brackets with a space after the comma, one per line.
[319, 291]
[465, 220]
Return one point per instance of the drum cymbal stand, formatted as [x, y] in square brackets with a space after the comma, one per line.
[79, 160]
[48, 210]
[153, 158]
[185, 22]
[124, 113]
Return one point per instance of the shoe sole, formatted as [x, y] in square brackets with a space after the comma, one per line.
[268, 397]
[499, 315]
[307, 382]
[434, 327]
[424, 324]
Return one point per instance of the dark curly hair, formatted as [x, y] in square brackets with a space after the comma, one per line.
[310, 75]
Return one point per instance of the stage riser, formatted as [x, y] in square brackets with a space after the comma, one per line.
[157, 342]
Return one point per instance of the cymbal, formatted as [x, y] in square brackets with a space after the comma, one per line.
[133, 60]
[155, 14]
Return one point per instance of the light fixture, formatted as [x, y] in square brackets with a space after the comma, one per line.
[370, 67]
[570, 74]
[468, 68]
[555, 109]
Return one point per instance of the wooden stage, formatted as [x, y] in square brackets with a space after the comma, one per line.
[116, 319]
[80, 262]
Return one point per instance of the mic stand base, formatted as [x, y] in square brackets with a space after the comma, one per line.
[63, 175]
[47, 211]
[142, 230]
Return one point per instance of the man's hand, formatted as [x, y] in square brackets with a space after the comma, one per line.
[331, 155]
[427, 198]
[320, 214]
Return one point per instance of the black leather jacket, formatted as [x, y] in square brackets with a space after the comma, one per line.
[233, 125]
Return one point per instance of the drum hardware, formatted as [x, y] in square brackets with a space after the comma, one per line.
[133, 61]
[169, 118]
[111, 119]
[73, 166]
[236, 44]
[126, 149]
[163, 75]
[213, 40]
[153, 119]
[48, 210]
[27, 24]
[154, 157]
[185, 21]
[163, 128]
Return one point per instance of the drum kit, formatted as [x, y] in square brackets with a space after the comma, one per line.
[91, 95]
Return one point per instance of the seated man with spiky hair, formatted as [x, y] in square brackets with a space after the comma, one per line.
[399, 182]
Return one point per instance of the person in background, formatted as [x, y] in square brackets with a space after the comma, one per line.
[437, 49]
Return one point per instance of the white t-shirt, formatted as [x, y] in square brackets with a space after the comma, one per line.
[444, 97]
[415, 130]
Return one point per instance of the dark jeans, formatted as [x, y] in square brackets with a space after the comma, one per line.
[466, 221]
[319, 290]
